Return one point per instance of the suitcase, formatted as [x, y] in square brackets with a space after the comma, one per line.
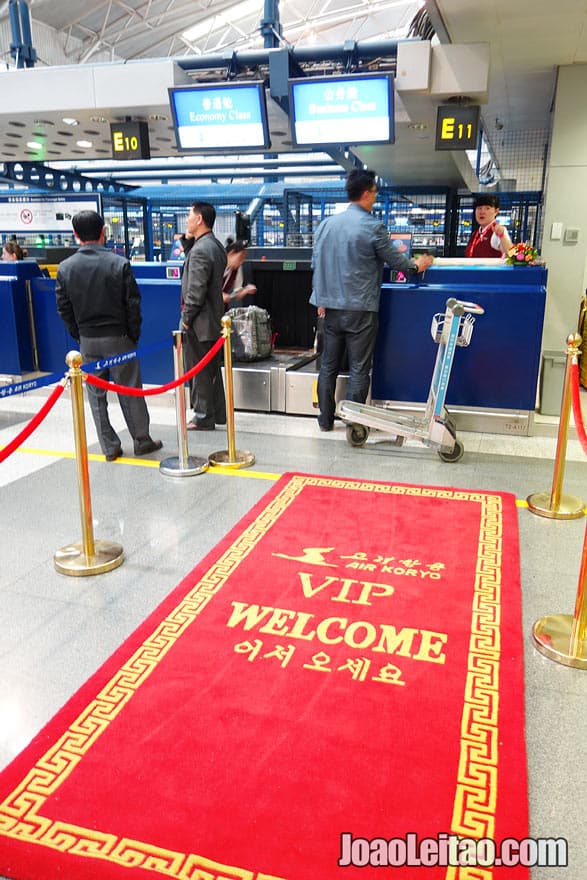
[251, 333]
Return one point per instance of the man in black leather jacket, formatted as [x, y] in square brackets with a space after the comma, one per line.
[100, 304]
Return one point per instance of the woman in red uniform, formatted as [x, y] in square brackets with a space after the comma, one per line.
[490, 239]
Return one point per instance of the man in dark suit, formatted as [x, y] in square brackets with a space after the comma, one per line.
[100, 304]
[202, 311]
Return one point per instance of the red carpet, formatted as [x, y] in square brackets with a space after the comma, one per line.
[348, 660]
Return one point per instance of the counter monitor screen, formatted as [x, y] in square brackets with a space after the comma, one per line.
[226, 117]
[342, 110]
[402, 242]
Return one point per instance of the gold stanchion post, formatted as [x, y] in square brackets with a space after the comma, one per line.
[556, 505]
[231, 457]
[87, 556]
[183, 464]
[563, 637]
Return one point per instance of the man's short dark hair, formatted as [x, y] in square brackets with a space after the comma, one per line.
[88, 225]
[358, 182]
[207, 211]
[486, 199]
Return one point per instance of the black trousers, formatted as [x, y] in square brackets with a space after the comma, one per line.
[134, 409]
[206, 391]
[355, 333]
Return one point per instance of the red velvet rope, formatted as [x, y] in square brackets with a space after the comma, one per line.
[34, 422]
[577, 414]
[141, 392]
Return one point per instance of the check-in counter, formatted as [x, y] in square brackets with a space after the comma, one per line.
[17, 342]
[494, 380]
[160, 301]
[53, 339]
[170, 270]
[161, 309]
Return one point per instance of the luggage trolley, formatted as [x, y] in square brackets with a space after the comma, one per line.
[435, 428]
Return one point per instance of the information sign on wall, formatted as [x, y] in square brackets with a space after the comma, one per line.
[25, 213]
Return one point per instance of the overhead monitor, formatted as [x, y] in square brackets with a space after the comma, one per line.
[224, 116]
[342, 110]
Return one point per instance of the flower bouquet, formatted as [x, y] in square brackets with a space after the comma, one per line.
[522, 254]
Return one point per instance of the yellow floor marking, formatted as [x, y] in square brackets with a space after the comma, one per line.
[218, 469]
[145, 462]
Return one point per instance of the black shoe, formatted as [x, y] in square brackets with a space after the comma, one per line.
[112, 456]
[192, 426]
[326, 427]
[147, 446]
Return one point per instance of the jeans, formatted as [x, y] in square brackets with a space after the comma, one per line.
[356, 332]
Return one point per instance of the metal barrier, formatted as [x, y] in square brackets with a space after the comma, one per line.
[87, 556]
[230, 458]
[563, 637]
[182, 464]
[556, 505]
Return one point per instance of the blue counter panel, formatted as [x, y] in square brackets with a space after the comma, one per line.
[499, 277]
[161, 313]
[16, 350]
[499, 369]
[53, 339]
[21, 269]
[154, 270]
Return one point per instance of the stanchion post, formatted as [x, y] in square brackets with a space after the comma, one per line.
[86, 556]
[231, 457]
[556, 505]
[562, 637]
[183, 464]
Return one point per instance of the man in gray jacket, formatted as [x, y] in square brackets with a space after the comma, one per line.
[350, 250]
[100, 304]
[202, 311]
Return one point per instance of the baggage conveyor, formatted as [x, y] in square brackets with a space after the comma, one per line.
[282, 383]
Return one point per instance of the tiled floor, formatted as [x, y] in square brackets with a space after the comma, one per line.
[56, 630]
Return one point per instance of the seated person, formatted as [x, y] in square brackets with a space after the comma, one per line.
[11, 252]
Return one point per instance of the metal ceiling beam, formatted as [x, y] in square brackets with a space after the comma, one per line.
[42, 176]
[21, 48]
[248, 58]
[271, 164]
[230, 174]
